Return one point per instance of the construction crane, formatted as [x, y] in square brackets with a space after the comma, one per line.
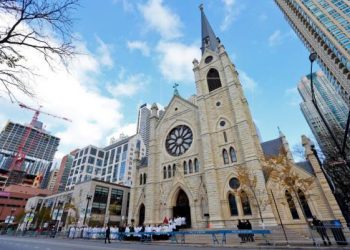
[16, 173]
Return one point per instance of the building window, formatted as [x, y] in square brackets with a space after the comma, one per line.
[196, 165]
[174, 169]
[99, 202]
[185, 167]
[140, 179]
[93, 151]
[245, 204]
[233, 205]
[213, 80]
[304, 204]
[225, 156]
[225, 136]
[169, 171]
[233, 154]
[164, 172]
[116, 202]
[122, 171]
[190, 167]
[144, 178]
[91, 160]
[291, 204]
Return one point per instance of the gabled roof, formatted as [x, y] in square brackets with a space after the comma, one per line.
[272, 148]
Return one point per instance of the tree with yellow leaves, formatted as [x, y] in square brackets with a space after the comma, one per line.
[248, 179]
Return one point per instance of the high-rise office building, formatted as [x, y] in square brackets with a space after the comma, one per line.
[63, 172]
[143, 124]
[113, 163]
[39, 149]
[324, 27]
[333, 108]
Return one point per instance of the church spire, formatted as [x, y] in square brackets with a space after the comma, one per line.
[209, 40]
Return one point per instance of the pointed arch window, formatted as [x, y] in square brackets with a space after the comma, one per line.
[185, 167]
[174, 169]
[213, 79]
[164, 172]
[144, 178]
[140, 179]
[291, 204]
[245, 204]
[225, 136]
[196, 165]
[304, 204]
[233, 154]
[190, 167]
[169, 171]
[225, 156]
[233, 205]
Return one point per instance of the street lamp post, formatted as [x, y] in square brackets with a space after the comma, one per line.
[312, 58]
[88, 197]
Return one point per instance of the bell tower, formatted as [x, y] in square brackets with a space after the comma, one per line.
[229, 136]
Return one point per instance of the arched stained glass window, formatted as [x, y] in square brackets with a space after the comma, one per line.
[291, 204]
[245, 204]
[233, 154]
[213, 79]
[233, 205]
[169, 171]
[225, 156]
[185, 167]
[196, 165]
[304, 204]
[190, 167]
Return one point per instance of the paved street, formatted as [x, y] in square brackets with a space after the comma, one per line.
[15, 243]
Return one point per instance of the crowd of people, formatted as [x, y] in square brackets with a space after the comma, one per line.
[170, 225]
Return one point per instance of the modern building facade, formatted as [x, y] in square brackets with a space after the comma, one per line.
[113, 163]
[40, 148]
[143, 124]
[324, 28]
[53, 179]
[333, 108]
[63, 172]
[107, 203]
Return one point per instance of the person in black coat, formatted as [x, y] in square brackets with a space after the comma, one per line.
[108, 234]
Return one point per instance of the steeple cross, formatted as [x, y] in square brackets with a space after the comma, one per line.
[176, 92]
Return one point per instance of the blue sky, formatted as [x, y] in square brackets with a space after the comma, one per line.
[133, 51]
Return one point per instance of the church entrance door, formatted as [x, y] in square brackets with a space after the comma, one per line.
[182, 208]
[142, 215]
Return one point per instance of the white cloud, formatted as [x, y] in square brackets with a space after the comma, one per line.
[71, 95]
[293, 96]
[128, 86]
[176, 60]
[161, 19]
[128, 130]
[127, 5]
[277, 37]
[232, 11]
[248, 83]
[104, 53]
[139, 45]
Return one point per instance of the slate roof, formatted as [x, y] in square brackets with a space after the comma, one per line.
[305, 165]
[272, 148]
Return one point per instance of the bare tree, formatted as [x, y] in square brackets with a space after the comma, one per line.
[42, 26]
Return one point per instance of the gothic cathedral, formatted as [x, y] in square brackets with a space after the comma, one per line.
[195, 149]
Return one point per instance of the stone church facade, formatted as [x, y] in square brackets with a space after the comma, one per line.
[196, 147]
